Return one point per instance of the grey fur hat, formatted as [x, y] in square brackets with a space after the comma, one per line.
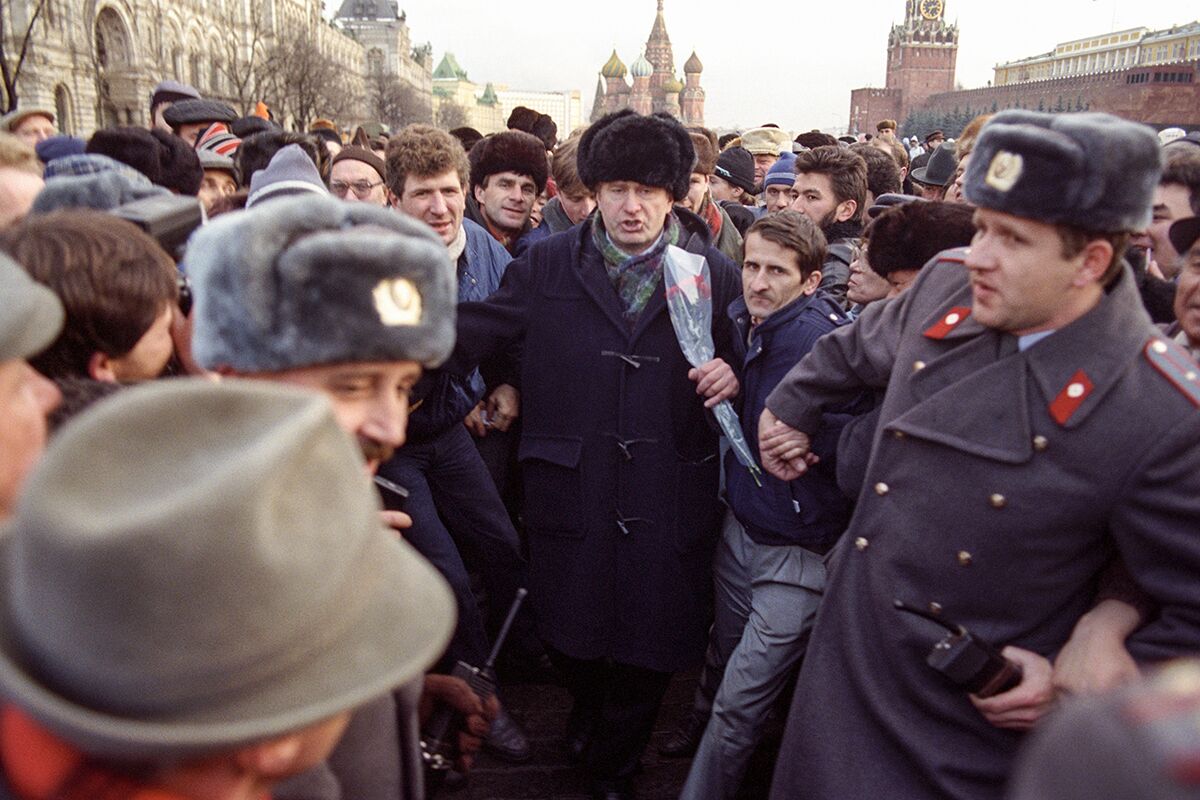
[103, 191]
[1092, 171]
[311, 280]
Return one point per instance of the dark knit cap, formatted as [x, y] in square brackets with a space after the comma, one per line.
[186, 112]
[626, 146]
[510, 151]
[736, 165]
[1092, 171]
[469, 137]
[58, 147]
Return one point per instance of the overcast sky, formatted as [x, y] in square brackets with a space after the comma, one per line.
[795, 67]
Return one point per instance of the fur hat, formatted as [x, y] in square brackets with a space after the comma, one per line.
[187, 112]
[248, 126]
[736, 165]
[467, 136]
[162, 157]
[103, 191]
[546, 129]
[305, 281]
[886, 125]
[522, 119]
[626, 146]
[706, 154]
[510, 151]
[766, 141]
[1093, 171]
[814, 139]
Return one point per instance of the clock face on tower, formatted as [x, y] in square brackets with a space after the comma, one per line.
[932, 9]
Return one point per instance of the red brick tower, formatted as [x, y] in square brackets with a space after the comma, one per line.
[922, 54]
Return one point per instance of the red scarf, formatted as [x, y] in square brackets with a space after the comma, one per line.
[40, 766]
[710, 212]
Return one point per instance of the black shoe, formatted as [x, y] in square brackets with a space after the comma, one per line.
[612, 790]
[684, 740]
[580, 727]
[507, 741]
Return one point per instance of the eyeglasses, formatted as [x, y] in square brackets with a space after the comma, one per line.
[362, 189]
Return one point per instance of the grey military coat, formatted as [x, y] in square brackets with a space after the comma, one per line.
[999, 485]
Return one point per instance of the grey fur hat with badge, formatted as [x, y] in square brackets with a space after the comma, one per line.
[169, 605]
[1092, 171]
[626, 146]
[310, 280]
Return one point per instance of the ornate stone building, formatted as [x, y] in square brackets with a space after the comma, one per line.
[655, 87]
[922, 56]
[96, 61]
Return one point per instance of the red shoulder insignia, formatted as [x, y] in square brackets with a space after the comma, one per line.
[1176, 366]
[952, 320]
[1071, 398]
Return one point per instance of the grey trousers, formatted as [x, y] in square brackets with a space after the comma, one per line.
[766, 602]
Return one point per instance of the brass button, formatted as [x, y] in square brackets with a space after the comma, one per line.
[899, 435]
[998, 501]
[1040, 443]
[935, 608]
[918, 366]
[964, 558]
[882, 488]
[861, 543]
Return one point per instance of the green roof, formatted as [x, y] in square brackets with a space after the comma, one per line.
[449, 70]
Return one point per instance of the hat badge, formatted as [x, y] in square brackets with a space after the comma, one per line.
[1005, 170]
[397, 302]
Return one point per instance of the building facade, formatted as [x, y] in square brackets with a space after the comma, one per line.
[97, 61]
[1140, 74]
[655, 87]
[486, 107]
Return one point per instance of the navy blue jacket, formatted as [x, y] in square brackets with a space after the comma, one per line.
[810, 511]
[619, 459]
[445, 399]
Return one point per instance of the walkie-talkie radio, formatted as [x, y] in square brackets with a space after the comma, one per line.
[439, 739]
[968, 661]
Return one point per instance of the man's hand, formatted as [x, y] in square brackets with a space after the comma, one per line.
[396, 520]
[1094, 660]
[503, 406]
[1021, 707]
[715, 381]
[783, 449]
[474, 422]
[477, 716]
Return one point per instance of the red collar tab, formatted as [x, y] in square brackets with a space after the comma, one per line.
[954, 317]
[1071, 398]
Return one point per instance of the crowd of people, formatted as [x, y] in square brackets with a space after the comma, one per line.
[899, 440]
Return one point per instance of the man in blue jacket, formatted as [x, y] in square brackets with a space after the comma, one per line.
[768, 568]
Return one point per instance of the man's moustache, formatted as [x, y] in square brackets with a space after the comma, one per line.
[374, 450]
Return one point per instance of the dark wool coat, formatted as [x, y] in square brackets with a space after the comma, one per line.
[619, 455]
[1000, 484]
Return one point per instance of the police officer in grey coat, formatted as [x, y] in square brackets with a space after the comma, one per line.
[1013, 458]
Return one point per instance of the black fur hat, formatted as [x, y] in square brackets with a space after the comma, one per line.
[510, 151]
[626, 146]
[522, 119]
[546, 129]
[162, 157]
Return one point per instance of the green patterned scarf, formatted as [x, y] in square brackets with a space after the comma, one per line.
[634, 277]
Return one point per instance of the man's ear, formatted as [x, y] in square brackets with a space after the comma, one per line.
[846, 210]
[393, 201]
[100, 368]
[1096, 258]
[812, 283]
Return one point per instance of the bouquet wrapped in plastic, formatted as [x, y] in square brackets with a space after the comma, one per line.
[689, 300]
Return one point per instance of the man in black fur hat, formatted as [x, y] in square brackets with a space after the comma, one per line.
[508, 172]
[619, 458]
